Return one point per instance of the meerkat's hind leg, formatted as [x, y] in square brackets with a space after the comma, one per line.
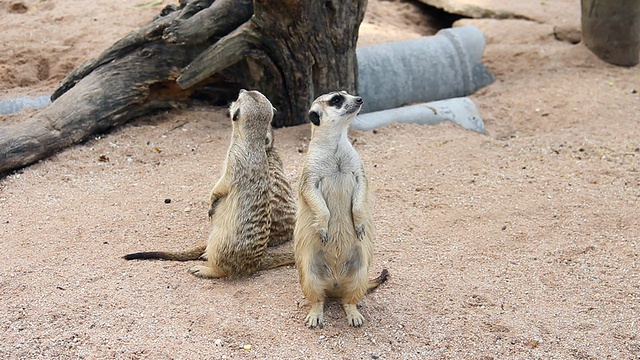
[315, 318]
[207, 272]
[354, 318]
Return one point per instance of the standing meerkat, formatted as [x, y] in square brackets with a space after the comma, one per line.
[334, 230]
[241, 202]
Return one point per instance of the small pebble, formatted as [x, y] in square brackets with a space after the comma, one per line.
[247, 347]
[167, 201]
[218, 342]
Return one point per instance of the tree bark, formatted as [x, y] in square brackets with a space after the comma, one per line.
[290, 50]
[293, 55]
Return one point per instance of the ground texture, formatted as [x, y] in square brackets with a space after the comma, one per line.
[521, 243]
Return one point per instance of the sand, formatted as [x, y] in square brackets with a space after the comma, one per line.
[521, 243]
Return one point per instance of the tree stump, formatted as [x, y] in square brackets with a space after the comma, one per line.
[611, 30]
[294, 54]
[290, 50]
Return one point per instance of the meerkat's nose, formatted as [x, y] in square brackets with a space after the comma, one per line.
[359, 100]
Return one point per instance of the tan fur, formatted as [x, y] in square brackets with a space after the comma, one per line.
[334, 229]
[283, 204]
[241, 202]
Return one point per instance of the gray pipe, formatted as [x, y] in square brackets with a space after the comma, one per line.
[461, 111]
[443, 66]
[14, 105]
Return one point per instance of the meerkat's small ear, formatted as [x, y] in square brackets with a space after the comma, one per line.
[314, 117]
[235, 115]
[269, 139]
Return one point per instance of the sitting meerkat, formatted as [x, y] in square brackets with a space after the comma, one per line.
[242, 201]
[334, 230]
[283, 213]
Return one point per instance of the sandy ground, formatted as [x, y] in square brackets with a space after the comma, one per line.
[521, 243]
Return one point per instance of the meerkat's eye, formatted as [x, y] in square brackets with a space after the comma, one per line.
[336, 101]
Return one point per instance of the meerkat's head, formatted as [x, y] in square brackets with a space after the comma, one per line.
[334, 108]
[251, 113]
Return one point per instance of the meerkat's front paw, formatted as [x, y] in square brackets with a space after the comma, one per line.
[360, 231]
[315, 318]
[354, 318]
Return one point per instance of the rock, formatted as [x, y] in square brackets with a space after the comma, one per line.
[476, 9]
[549, 12]
[567, 33]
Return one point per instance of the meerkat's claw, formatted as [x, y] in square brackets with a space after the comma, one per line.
[360, 231]
[315, 318]
[206, 272]
[324, 235]
[354, 318]
[197, 270]
[314, 322]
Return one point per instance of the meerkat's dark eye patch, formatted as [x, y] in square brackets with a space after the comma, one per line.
[314, 117]
[236, 115]
[337, 101]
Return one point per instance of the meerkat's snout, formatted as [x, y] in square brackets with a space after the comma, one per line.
[359, 101]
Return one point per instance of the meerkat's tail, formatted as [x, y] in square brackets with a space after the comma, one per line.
[373, 284]
[270, 260]
[193, 254]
